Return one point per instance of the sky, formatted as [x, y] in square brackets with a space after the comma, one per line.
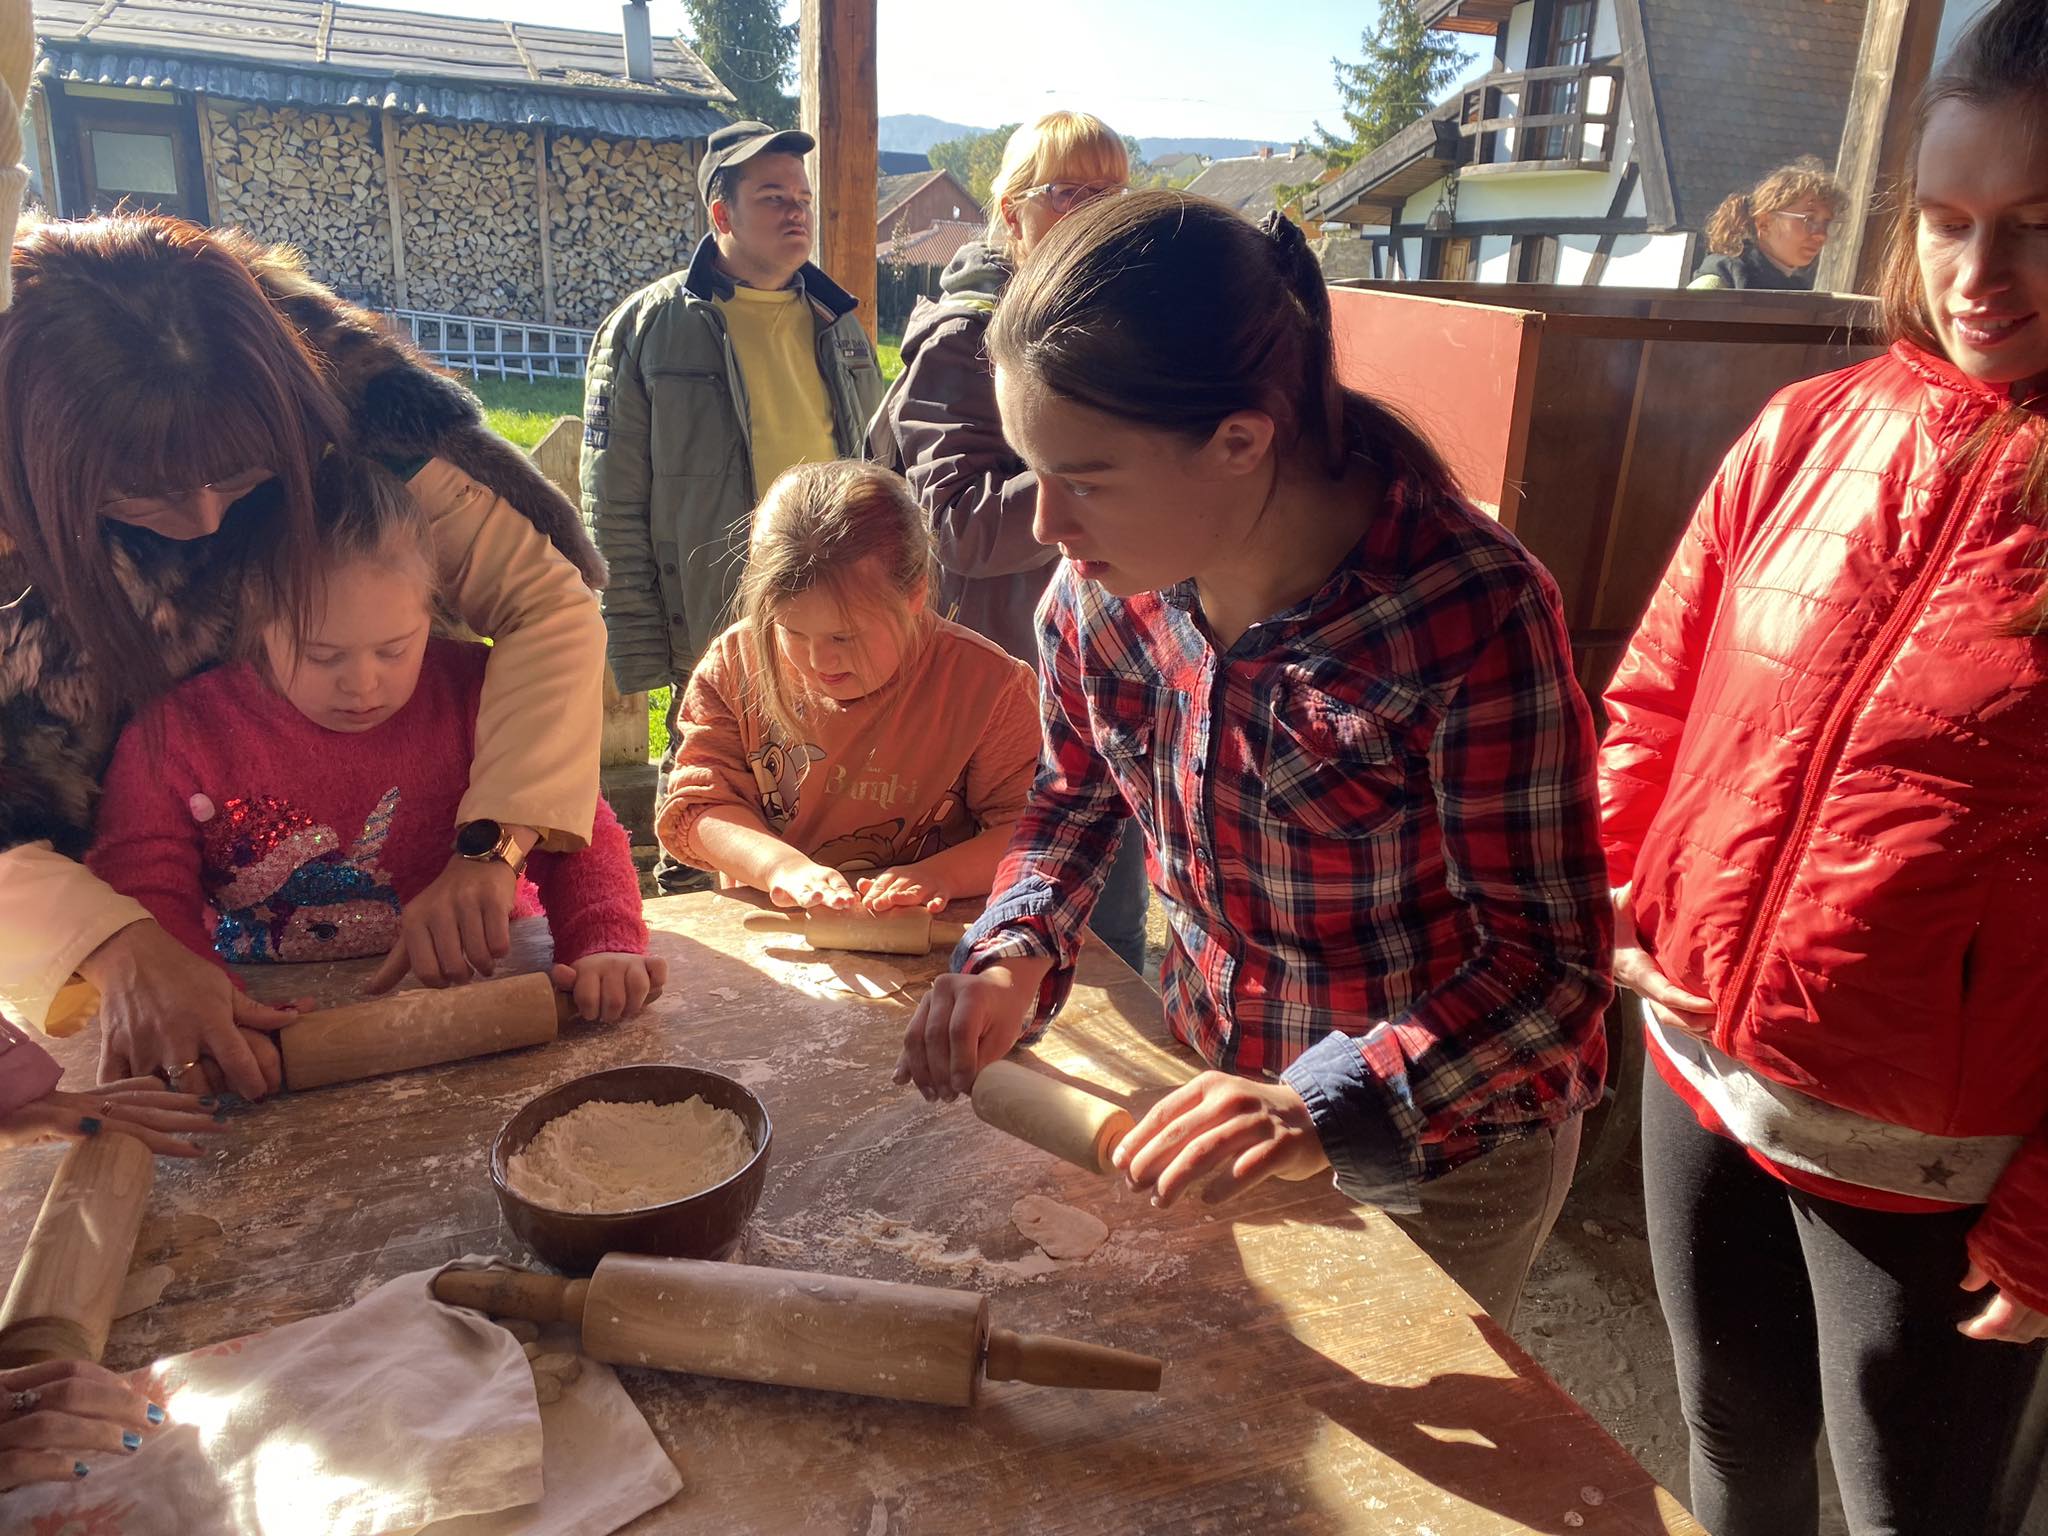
[1248, 69]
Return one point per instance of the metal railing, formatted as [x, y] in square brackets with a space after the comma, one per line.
[503, 349]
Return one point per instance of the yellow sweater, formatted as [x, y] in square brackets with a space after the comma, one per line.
[775, 337]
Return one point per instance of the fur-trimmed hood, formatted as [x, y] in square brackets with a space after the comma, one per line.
[404, 406]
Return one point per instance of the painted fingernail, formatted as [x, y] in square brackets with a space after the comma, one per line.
[89, 1125]
[79, 1469]
[131, 1440]
[209, 1101]
[156, 1413]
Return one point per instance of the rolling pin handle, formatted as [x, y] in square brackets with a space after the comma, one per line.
[1047, 1361]
[945, 935]
[514, 1293]
[773, 922]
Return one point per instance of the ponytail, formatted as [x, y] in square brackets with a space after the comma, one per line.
[1321, 395]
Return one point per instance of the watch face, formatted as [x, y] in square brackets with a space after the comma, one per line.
[477, 838]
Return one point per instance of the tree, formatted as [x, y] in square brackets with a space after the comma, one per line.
[973, 159]
[749, 47]
[1405, 68]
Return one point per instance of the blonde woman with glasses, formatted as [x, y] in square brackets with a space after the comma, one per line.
[938, 427]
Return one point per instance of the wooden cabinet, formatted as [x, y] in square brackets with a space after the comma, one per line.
[1589, 421]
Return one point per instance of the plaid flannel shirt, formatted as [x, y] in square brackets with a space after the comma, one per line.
[1372, 823]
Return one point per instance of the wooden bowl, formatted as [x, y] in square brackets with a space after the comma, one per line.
[706, 1225]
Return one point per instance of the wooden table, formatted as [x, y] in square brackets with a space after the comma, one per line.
[1321, 1373]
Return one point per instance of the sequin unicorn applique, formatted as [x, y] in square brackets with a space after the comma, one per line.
[284, 889]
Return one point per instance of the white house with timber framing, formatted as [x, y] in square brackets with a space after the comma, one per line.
[1598, 144]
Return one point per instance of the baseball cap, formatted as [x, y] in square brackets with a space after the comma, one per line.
[737, 143]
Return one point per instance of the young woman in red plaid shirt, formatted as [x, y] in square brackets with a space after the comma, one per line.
[1340, 703]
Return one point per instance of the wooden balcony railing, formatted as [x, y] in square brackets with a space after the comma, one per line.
[1561, 118]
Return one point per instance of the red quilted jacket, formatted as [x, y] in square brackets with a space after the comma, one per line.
[1827, 771]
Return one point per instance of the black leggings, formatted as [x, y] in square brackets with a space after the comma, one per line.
[1786, 1309]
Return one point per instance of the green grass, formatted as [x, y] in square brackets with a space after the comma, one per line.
[522, 410]
[889, 354]
[657, 724]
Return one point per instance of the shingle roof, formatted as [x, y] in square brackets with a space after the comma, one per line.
[304, 53]
[1744, 86]
[892, 192]
[1247, 182]
[933, 247]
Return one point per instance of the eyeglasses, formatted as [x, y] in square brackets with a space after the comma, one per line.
[1816, 225]
[1066, 196]
[125, 509]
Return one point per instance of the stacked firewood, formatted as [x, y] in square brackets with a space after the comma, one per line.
[622, 212]
[311, 180]
[469, 214]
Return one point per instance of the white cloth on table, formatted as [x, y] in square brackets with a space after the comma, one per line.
[396, 1414]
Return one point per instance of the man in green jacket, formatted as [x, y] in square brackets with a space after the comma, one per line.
[702, 388]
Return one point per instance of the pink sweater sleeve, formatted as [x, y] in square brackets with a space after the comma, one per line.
[146, 841]
[27, 1071]
[592, 896]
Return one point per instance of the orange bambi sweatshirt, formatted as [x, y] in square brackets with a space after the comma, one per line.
[944, 750]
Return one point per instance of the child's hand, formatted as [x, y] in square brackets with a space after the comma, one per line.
[801, 883]
[901, 888]
[610, 989]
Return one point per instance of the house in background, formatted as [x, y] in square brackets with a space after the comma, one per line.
[1175, 166]
[907, 205]
[480, 169]
[1606, 132]
[1248, 182]
[901, 162]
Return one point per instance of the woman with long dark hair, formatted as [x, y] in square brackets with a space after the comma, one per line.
[165, 396]
[1827, 822]
[1339, 701]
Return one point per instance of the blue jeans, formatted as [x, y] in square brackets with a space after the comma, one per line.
[1119, 919]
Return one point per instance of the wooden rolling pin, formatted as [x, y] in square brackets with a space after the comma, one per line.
[1055, 1117]
[421, 1028]
[906, 931]
[67, 1283]
[796, 1329]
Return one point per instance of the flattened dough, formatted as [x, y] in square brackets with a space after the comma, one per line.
[1061, 1230]
[142, 1290]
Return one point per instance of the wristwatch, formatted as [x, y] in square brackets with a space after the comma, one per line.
[486, 840]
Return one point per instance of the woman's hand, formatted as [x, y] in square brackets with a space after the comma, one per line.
[966, 1022]
[164, 1010]
[610, 988]
[1232, 1131]
[55, 1414]
[1636, 968]
[2003, 1319]
[903, 887]
[801, 882]
[139, 1107]
[459, 926]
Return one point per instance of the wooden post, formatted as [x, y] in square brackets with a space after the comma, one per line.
[838, 110]
[1898, 50]
[46, 149]
[204, 112]
[547, 250]
[395, 203]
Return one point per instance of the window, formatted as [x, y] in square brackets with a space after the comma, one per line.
[134, 162]
[1567, 43]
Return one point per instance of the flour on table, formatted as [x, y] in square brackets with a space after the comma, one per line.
[864, 978]
[603, 1156]
[1063, 1231]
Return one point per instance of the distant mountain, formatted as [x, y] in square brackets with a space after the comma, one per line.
[1215, 149]
[915, 133]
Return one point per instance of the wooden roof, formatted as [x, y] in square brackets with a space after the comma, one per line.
[321, 35]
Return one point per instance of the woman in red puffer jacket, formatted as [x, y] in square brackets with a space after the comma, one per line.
[1826, 799]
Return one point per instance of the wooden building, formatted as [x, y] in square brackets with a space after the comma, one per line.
[1595, 149]
[480, 168]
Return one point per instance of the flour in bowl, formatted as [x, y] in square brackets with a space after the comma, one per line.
[602, 1157]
